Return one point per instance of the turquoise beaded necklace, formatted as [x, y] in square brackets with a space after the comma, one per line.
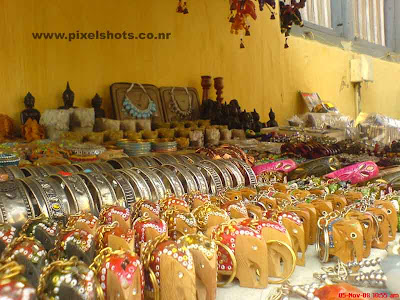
[136, 112]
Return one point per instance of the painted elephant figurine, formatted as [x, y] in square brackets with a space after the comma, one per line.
[242, 254]
[196, 199]
[169, 269]
[175, 202]
[279, 242]
[74, 242]
[80, 282]
[209, 215]
[248, 194]
[145, 208]
[43, 229]
[115, 237]
[204, 252]
[235, 209]
[295, 228]
[111, 214]
[392, 217]
[369, 227]
[84, 221]
[345, 238]
[15, 285]
[7, 234]
[323, 207]
[179, 223]
[120, 274]
[147, 229]
[30, 253]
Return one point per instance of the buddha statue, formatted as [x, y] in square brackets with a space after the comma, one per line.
[29, 112]
[234, 115]
[257, 125]
[68, 98]
[96, 104]
[272, 122]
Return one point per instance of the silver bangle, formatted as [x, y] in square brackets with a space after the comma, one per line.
[69, 168]
[155, 183]
[223, 173]
[198, 176]
[13, 172]
[15, 205]
[237, 176]
[122, 187]
[51, 170]
[251, 176]
[161, 160]
[196, 157]
[49, 195]
[120, 163]
[102, 192]
[137, 162]
[34, 171]
[213, 179]
[77, 192]
[88, 166]
[170, 179]
[186, 178]
[142, 190]
[149, 161]
[168, 157]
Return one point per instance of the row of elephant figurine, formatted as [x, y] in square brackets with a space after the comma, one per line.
[186, 247]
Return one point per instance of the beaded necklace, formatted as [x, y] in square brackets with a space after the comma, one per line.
[134, 111]
[175, 106]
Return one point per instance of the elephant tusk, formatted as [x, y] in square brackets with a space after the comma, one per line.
[234, 265]
[293, 258]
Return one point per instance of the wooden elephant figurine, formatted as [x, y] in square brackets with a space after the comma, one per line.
[255, 210]
[339, 202]
[30, 253]
[313, 220]
[7, 235]
[179, 223]
[120, 274]
[345, 238]
[174, 202]
[145, 208]
[392, 217]
[381, 216]
[248, 194]
[115, 237]
[208, 216]
[233, 195]
[300, 194]
[369, 227]
[147, 229]
[242, 254]
[196, 199]
[279, 246]
[281, 187]
[13, 284]
[75, 242]
[353, 196]
[84, 221]
[111, 214]
[323, 207]
[305, 218]
[80, 282]
[43, 229]
[235, 209]
[204, 252]
[169, 269]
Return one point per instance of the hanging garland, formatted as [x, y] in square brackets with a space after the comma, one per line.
[242, 10]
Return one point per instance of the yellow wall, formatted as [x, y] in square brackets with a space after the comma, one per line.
[260, 76]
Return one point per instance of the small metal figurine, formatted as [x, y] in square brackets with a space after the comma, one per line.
[272, 122]
[96, 104]
[29, 112]
[68, 98]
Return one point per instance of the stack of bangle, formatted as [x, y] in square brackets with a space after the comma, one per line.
[8, 159]
[84, 152]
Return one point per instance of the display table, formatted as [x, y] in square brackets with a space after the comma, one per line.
[301, 276]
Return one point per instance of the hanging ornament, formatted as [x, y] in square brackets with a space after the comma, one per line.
[290, 15]
[180, 7]
[241, 44]
[185, 10]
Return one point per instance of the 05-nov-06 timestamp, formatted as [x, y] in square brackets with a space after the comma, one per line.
[369, 295]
